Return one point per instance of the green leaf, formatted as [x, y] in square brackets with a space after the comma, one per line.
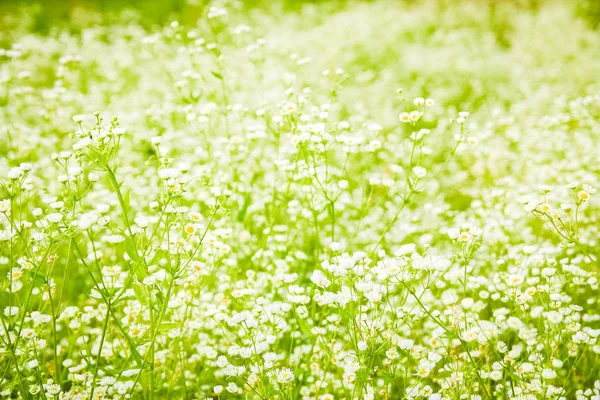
[217, 75]
[136, 354]
[140, 293]
[140, 272]
[160, 299]
[130, 248]
[242, 213]
[167, 326]
[38, 278]
[127, 199]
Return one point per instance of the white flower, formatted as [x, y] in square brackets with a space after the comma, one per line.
[319, 279]
[419, 101]
[406, 344]
[548, 373]
[4, 206]
[82, 144]
[169, 173]
[233, 388]
[216, 12]
[54, 217]
[392, 354]
[419, 172]
[349, 376]
[26, 166]
[15, 173]
[580, 337]
[114, 239]
[556, 363]
[288, 107]
[374, 296]
[39, 318]
[284, 376]
[453, 233]
[87, 220]
[149, 280]
[11, 311]
[496, 375]
[142, 222]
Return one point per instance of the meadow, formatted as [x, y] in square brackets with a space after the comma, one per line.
[327, 200]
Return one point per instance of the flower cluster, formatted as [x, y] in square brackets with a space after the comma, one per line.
[247, 218]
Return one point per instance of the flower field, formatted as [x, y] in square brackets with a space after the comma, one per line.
[338, 201]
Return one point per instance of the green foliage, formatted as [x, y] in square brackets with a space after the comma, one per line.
[298, 200]
[590, 10]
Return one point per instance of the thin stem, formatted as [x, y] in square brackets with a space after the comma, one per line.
[99, 354]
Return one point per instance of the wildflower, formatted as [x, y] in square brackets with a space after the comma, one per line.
[115, 239]
[15, 173]
[11, 311]
[319, 279]
[392, 354]
[142, 222]
[419, 172]
[190, 229]
[285, 376]
[288, 108]
[196, 216]
[137, 330]
[583, 195]
[548, 374]
[216, 12]
[54, 217]
[233, 388]
[456, 376]
[496, 375]
[349, 376]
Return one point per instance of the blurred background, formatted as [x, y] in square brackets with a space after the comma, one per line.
[45, 14]
[473, 53]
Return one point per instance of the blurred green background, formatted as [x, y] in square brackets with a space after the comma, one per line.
[45, 14]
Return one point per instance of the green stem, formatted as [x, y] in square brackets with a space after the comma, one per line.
[104, 330]
[117, 188]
